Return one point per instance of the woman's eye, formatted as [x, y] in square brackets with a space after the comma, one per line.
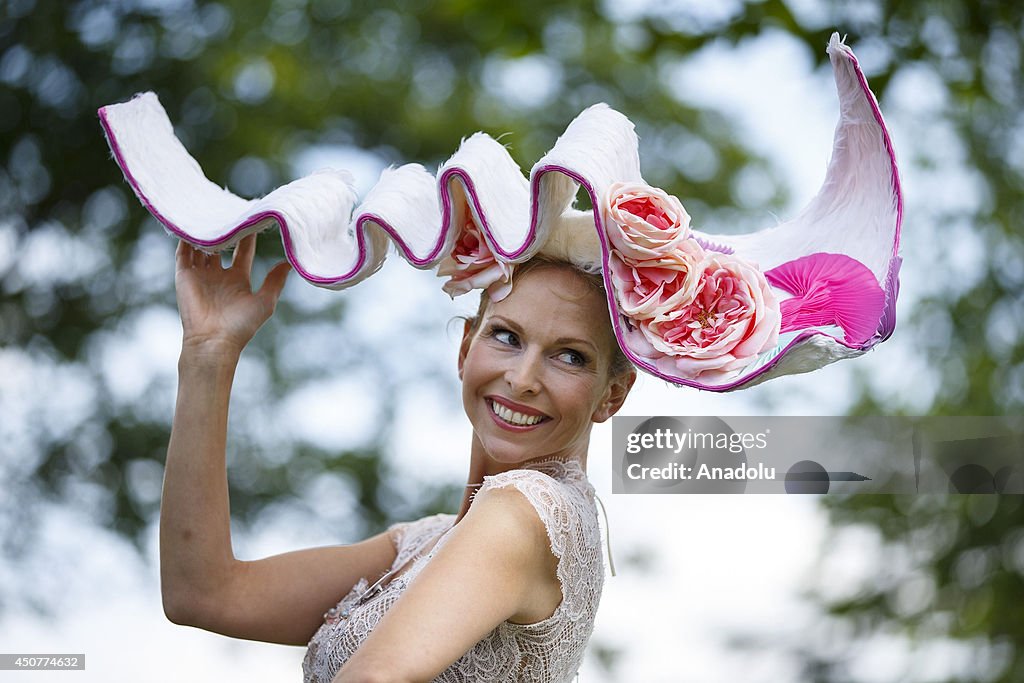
[505, 337]
[572, 358]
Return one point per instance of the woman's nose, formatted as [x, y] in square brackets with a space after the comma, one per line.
[523, 373]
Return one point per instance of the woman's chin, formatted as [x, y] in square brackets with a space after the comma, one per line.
[506, 456]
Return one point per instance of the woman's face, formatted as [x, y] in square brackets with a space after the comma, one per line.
[535, 372]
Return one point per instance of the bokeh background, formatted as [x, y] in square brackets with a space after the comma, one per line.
[346, 412]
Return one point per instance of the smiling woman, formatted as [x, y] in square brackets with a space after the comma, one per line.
[507, 588]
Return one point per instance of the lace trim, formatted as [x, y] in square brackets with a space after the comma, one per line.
[540, 652]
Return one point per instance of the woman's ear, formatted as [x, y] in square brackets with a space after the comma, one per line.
[615, 395]
[467, 338]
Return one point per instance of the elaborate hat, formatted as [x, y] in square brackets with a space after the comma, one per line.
[715, 312]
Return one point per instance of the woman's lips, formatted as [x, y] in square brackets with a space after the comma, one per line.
[514, 416]
[517, 407]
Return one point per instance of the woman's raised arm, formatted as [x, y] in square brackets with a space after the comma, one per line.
[278, 599]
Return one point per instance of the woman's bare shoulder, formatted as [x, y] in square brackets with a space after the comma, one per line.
[505, 516]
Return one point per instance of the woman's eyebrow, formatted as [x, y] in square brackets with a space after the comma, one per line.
[575, 341]
[505, 321]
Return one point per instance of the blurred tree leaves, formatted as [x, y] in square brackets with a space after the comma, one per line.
[84, 272]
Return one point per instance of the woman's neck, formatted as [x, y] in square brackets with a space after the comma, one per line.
[481, 465]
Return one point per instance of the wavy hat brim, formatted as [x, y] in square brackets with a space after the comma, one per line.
[333, 242]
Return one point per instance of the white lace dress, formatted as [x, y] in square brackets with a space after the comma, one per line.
[546, 651]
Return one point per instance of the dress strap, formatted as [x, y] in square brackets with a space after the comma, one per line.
[607, 534]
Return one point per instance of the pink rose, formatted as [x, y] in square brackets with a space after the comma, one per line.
[644, 222]
[734, 317]
[655, 288]
[471, 265]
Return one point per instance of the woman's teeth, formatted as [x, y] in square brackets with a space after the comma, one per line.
[512, 417]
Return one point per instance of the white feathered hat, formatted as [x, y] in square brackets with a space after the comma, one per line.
[712, 312]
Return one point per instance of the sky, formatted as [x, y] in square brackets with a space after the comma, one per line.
[720, 565]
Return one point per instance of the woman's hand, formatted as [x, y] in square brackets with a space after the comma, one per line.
[218, 308]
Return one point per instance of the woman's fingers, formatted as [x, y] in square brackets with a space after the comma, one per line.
[187, 256]
[270, 291]
[183, 254]
[245, 252]
[197, 258]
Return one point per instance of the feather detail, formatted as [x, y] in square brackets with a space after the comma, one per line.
[710, 244]
[574, 240]
[829, 289]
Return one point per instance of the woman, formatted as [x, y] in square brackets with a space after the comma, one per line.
[505, 590]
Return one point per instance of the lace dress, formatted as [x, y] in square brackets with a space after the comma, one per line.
[546, 651]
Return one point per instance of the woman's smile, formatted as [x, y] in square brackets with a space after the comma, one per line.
[514, 416]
